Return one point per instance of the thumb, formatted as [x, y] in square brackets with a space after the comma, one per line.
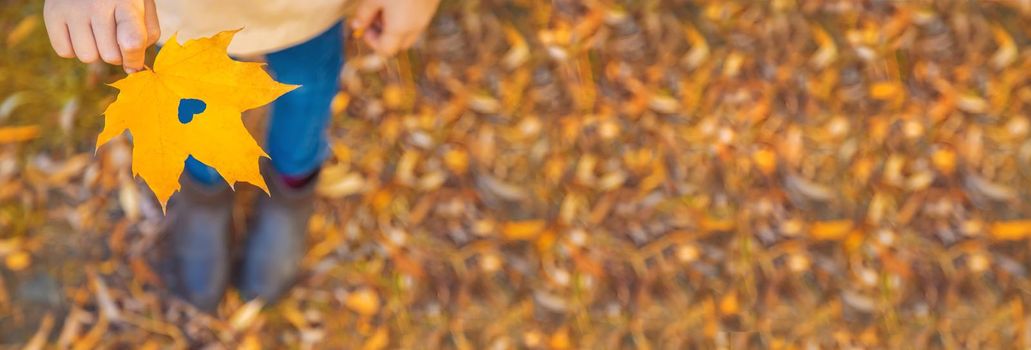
[132, 36]
[151, 20]
[365, 14]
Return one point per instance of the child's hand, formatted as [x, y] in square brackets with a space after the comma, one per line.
[117, 31]
[392, 25]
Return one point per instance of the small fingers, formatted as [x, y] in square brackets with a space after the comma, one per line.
[151, 20]
[409, 40]
[386, 44]
[107, 45]
[57, 30]
[83, 42]
[132, 37]
[365, 14]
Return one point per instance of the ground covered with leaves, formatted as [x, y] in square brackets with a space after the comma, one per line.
[581, 174]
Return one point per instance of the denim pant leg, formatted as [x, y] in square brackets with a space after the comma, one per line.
[297, 137]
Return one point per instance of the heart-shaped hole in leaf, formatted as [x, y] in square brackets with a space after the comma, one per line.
[188, 107]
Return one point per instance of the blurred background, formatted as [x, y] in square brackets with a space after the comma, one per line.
[580, 174]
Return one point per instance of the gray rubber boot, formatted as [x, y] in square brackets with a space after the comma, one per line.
[200, 217]
[276, 241]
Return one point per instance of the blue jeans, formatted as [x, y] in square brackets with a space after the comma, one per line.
[297, 138]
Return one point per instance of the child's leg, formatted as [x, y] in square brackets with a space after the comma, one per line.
[297, 129]
[202, 173]
[297, 144]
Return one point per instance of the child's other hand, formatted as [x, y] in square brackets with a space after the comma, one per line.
[116, 31]
[392, 25]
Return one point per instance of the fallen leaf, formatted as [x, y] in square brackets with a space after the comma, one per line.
[22, 30]
[944, 160]
[1011, 230]
[12, 102]
[457, 160]
[560, 340]
[518, 53]
[830, 230]
[338, 183]
[765, 160]
[992, 190]
[972, 103]
[523, 230]
[714, 224]
[250, 342]
[1007, 51]
[378, 340]
[828, 51]
[244, 316]
[886, 90]
[729, 304]
[18, 261]
[39, 340]
[663, 104]
[108, 307]
[484, 104]
[363, 301]
[18, 133]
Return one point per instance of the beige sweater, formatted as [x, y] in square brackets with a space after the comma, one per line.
[268, 25]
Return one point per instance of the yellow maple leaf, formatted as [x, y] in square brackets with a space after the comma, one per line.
[199, 79]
